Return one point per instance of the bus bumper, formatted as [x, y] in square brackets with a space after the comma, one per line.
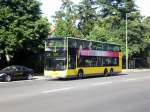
[55, 74]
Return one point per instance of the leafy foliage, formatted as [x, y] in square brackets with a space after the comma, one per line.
[21, 26]
[103, 20]
[65, 20]
[146, 30]
[86, 12]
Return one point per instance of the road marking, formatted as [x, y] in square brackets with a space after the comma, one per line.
[135, 79]
[57, 90]
[124, 80]
[102, 83]
[131, 79]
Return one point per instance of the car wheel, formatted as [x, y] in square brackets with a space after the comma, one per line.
[7, 78]
[29, 77]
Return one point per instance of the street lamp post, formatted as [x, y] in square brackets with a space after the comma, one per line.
[126, 41]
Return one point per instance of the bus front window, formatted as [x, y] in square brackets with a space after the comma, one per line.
[55, 52]
[55, 45]
[55, 64]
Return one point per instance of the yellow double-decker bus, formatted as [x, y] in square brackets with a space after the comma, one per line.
[72, 57]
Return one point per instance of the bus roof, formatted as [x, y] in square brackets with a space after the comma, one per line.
[60, 37]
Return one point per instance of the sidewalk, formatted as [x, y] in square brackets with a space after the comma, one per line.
[135, 70]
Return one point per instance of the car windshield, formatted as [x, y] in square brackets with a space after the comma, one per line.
[10, 68]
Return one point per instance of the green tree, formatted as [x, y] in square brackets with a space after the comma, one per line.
[21, 26]
[146, 30]
[146, 24]
[65, 20]
[105, 20]
[86, 12]
[113, 13]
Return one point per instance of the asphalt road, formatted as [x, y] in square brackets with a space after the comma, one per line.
[123, 93]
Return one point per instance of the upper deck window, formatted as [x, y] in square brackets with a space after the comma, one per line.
[54, 43]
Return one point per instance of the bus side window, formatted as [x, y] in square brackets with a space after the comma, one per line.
[105, 47]
[116, 48]
[80, 62]
[72, 62]
[106, 61]
[115, 61]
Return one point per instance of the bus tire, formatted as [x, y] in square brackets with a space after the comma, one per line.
[80, 74]
[111, 72]
[105, 73]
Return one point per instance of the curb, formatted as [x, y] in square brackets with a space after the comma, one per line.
[123, 71]
[39, 77]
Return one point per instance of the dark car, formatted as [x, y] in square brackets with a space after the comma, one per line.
[16, 72]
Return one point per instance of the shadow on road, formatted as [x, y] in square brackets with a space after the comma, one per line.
[87, 77]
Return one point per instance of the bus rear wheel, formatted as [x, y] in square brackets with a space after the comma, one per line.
[80, 74]
[111, 72]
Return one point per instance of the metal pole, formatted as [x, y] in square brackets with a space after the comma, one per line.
[126, 41]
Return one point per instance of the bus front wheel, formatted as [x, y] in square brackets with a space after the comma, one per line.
[105, 72]
[80, 74]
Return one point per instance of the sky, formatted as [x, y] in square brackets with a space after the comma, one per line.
[50, 6]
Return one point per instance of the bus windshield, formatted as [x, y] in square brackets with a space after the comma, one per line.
[55, 63]
[55, 55]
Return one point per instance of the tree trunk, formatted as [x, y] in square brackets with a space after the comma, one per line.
[8, 57]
